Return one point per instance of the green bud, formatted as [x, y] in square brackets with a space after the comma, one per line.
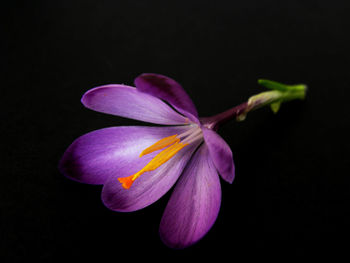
[275, 106]
[278, 94]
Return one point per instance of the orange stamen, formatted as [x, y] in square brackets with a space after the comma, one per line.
[157, 161]
[160, 144]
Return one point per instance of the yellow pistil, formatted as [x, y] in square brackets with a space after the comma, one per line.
[157, 161]
[160, 144]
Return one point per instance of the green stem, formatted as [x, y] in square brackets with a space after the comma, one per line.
[279, 93]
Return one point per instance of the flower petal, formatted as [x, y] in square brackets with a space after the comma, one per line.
[169, 90]
[221, 154]
[126, 101]
[97, 155]
[149, 187]
[194, 204]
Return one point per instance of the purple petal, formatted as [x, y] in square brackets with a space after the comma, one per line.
[194, 204]
[221, 154]
[169, 90]
[128, 102]
[149, 187]
[95, 156]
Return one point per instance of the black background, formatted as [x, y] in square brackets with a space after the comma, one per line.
[291, 192]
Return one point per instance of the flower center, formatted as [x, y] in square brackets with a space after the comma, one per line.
[172, 144]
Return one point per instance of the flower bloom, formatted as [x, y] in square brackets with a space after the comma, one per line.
[137, 165]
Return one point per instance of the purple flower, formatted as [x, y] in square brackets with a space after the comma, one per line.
[137, 165]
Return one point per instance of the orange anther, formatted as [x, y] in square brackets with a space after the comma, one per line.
[157, 161]
[160, 144]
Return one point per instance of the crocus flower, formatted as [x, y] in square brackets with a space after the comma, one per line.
[137, 165]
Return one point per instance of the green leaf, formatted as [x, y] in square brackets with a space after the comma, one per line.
[273, 85]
